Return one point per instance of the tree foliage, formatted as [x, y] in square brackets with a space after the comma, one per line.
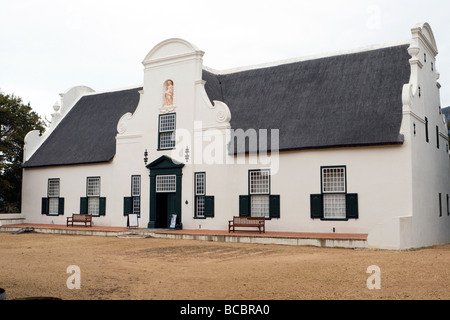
[16, 120]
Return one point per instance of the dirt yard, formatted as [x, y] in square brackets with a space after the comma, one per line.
[35, 265]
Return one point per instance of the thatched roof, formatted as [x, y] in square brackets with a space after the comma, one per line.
[338, 101]
[345, 100]
[87, 133]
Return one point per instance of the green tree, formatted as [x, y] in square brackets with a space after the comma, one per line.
[16, 120]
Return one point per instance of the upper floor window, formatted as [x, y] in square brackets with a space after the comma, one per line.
[166, 139]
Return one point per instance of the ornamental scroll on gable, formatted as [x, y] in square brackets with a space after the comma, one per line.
[168, 97]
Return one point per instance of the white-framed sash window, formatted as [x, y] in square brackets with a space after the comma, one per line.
[334, 188]
[53, 196]
[93, 195]
[200, 193]
[259, 190]
[136, 194]
[166, 137]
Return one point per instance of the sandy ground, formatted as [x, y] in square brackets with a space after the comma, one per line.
[35, 265]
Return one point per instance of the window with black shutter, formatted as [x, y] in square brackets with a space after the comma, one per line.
[204, 205]
[93, 203]
[53, 204]
[259, 202]
[334, 203]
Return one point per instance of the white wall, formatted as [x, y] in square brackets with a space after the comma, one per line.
[377, 174]
[73, 181]
[397, 186]
[431, 165]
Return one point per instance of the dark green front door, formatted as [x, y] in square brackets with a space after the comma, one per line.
[164, 204]
[165, 207]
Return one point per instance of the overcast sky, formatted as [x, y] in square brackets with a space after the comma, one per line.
[49, 46]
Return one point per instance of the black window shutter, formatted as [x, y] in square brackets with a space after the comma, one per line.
[127, 206]
[102, 209]
[426, 130]
[244, 206]
[44, 207]
[83, 205]
[274, 206]
[61, 206]
[209, 206]
[351, 203]
[316, 206]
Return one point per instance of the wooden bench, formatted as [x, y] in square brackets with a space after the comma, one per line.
[80, 218]
[258, 222]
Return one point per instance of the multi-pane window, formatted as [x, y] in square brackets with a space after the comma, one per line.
[53, 188]
[200, 181]
[136, 194]
[259, 188]
[334, 202]
[334, 189]
[259, 202]
[93, 195]
[167, 131]
[334, 206]
[93, 187]
[259, 182]
[333, 180]
[53, 196]
[260, 206]
[53, 204]
[132, 205]
[166, 183]
[203, 204]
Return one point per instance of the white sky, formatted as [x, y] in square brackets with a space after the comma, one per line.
[49, 46]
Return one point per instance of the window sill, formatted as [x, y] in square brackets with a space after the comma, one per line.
[53, 214]
[159, 149]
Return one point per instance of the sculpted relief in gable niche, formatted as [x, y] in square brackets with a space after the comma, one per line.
[168, 98]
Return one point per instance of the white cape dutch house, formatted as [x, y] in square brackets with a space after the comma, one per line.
[347, 143]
